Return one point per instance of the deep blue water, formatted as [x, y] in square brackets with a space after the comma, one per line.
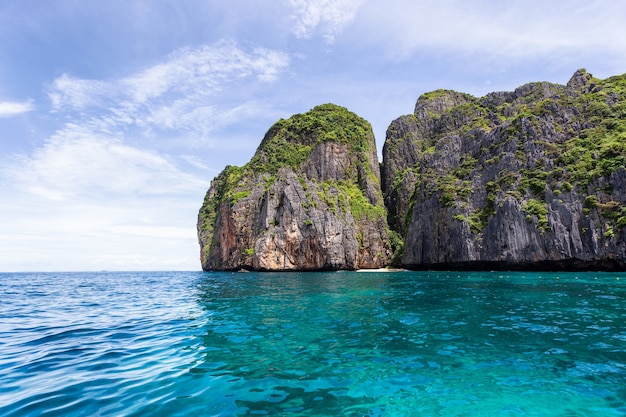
[313, 344]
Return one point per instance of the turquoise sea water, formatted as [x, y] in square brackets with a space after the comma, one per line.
[313, 344]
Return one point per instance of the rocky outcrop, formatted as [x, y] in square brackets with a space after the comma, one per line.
[310, 199]
[533, 178]
[529, 179]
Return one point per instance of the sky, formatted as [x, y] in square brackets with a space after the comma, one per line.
[116, 115]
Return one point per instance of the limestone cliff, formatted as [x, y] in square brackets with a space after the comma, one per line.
[533, 178]
[309, 199]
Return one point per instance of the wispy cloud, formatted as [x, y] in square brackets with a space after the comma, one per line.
[76, 162]
[328, 17]
[512, 29]
[190, 90]
[106, 195]
[95, 202]
[205, 68]
[40, 234]
[13, 108]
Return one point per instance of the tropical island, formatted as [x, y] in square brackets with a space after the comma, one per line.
[530, 179]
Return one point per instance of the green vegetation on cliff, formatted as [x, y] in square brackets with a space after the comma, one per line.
[563, 138]
[313, 171]
[221, 189]
[537, 173]
[290, 141]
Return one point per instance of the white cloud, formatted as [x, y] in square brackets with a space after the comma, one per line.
[93, 195]
[101, 232]
[329, 17]
[512, 29]
[13, 108]
[197, 163]
[187, 91]
[69, 92]
[75, 162]
[86, 202]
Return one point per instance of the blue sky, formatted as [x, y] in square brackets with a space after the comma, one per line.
[115, 115]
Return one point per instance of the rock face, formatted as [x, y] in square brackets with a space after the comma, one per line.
[533, 178]
[310, 199]
[529, 179]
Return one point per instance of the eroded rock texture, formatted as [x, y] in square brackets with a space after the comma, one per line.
[532, 178]
[310, 199]
[529, 179]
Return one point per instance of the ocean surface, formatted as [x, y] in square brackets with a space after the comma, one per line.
[313, 344]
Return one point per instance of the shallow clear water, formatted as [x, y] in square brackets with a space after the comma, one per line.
[313, 344]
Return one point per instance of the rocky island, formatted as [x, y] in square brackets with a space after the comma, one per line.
[529, 179]
[310, 199]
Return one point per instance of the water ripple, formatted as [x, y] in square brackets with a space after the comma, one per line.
[431, 344]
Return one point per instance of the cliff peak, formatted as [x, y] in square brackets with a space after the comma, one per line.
[580, 79]
[309, 199]
[438, 101]
[533, 178]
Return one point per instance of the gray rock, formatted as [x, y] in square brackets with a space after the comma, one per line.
[519, 179]
[322, 210]
[529, 179]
